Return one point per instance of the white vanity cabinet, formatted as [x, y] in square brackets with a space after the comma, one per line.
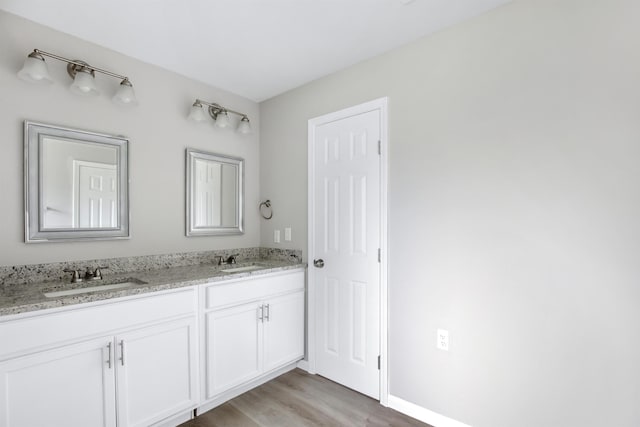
[126, 362]
[233, 347]
[67, 386]
[156, 372]
[251, 328]
[283, 330]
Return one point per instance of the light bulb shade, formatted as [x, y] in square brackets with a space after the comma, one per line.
[197, 113]
[35, 70]
[84, 84]
[125, 94]
[244, 127]
[222, 119]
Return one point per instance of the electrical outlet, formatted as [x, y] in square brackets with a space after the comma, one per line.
[287, 234]
[443, 340]
[276, 236]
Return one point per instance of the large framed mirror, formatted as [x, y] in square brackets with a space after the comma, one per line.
[215, 194]
[76, 184]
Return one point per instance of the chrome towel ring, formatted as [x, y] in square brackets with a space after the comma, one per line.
[266, 206]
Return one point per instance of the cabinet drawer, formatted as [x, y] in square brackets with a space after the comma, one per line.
[69, 324]
[226, 294]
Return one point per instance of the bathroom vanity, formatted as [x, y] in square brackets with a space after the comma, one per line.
[185, 339]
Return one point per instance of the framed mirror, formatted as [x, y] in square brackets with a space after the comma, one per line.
[76, 184]
[215, 194]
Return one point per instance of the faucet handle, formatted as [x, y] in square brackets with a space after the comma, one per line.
[232, 259]
[219, 258]
[296, 258]
[75, 277]
[97, 273]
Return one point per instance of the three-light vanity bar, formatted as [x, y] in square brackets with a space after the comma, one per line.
[83, 75]
[219, 114]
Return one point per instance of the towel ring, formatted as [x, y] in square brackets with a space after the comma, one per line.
[267, 205]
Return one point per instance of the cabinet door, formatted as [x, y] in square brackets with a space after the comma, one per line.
[156, 372]
[234, 347]
[283, 330]
[69, 386]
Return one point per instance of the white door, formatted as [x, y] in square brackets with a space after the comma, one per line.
[283, 330]
[345, 243]
[95, 195]
[208, 191]
[234, 346]
[156, 371]
[72, 386]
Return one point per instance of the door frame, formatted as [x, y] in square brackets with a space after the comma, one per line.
[380, 104]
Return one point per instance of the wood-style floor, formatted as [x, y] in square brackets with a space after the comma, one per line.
[297, 399]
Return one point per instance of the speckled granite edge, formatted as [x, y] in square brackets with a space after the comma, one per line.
[30, 297]
[37, 273]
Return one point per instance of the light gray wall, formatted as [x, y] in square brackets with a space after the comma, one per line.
[514, 209]
[158, 130]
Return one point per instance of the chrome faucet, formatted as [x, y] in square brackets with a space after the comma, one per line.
[76, 277]
[97, 273]
[231, 259]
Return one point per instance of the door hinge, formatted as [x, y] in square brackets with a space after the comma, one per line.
[378, 363]
[379, 255]
[379, 147]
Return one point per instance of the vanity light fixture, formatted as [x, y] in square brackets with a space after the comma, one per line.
[220, 114]
[83, 75]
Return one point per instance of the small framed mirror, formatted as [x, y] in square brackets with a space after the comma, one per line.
[76, 184]
[215, 194]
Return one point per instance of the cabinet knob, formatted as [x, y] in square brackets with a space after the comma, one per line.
[318, 263]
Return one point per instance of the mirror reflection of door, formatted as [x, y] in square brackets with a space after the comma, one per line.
[95, 201]
[79, 184]
[207, 192]
[215, 194]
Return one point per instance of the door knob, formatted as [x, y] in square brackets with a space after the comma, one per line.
[318, 263]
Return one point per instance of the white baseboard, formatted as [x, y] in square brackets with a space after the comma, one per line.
[422, 414]
[304, 365]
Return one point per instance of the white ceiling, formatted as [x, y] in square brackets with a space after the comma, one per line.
[254, 48]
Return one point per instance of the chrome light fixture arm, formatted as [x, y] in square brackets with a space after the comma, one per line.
[75, 64]
[215, 109]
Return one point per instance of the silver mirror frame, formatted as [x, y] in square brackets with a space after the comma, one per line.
[191, 229]
[34, 233]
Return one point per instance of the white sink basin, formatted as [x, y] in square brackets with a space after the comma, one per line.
[89, 289]
[242, 268]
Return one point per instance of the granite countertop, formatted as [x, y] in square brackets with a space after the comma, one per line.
[30, 297]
